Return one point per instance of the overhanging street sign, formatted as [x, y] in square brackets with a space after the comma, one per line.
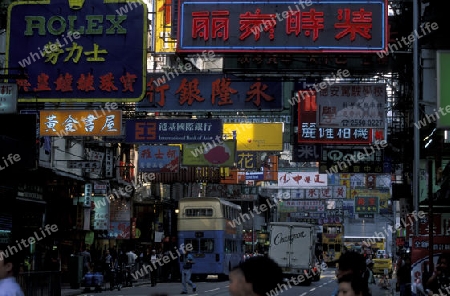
[94, 51]
[283, 26]
[8, 98]
[352, 106]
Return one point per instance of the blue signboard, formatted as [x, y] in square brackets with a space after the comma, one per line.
[254, 176]
[159, 158]
[283, 26]
[77, 51]
[172, 130]
[172, 91]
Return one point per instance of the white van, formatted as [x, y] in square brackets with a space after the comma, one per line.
[292, 247]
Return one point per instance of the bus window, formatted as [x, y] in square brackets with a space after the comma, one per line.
[199, 212]
[193, 242]
[337, 247]
[207, 245]
[325, 247]
[228, 247]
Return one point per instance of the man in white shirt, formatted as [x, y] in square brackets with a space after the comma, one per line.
[131, 257]
[8, 269]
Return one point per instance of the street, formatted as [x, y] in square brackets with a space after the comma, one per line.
[324, 287]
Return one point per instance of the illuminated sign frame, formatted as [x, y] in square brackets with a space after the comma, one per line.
[260, 28]
[68, 65]
[307, 113]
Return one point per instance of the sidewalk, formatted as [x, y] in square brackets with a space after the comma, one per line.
[378, 291]
[67, 291]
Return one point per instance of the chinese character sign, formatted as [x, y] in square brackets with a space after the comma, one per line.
[172, 131]
[352, 106]
[8, 98]
[281, 26]
[366, 204]
[211, 92]
[80, 123]
[96, 52]
[310, 132]
[303, 179]
[101, 214]
[163, 26]
[302, 205]
[247, 160]
[159, 158]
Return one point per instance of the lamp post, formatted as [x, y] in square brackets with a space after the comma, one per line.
[253, 234]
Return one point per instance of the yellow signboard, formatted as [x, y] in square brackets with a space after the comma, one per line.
[102, 122]
[256, 136]
[163, 24]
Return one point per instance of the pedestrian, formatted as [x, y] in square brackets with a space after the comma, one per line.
[351, 262]
[369, 270]
[352, 285]
[186, 273]
[154, 269]
[55, 267]
[256, 276]
[439, 281]
[8, 271]
[404, 277]
[86, 260]
[131, 256]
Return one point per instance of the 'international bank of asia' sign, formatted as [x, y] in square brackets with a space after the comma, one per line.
[172, 131]
[88, 53]
[282, 26]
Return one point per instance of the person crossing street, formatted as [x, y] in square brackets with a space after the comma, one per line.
[186, 273]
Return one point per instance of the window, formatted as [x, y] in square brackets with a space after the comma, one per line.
[337, 247]
[230, 246]
[325, 247]
[206, 245]
[206, 212]
[193, 242]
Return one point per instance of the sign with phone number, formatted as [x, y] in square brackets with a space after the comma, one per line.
[352, 106]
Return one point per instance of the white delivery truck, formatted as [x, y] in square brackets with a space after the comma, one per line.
[292, 247]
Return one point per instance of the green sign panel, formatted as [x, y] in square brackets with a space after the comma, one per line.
[443, 87]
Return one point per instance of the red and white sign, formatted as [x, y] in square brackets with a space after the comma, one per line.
[310, 132]
[302, 179]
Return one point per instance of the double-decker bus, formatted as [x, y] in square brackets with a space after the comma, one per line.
[204, 222]
[332, 242]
